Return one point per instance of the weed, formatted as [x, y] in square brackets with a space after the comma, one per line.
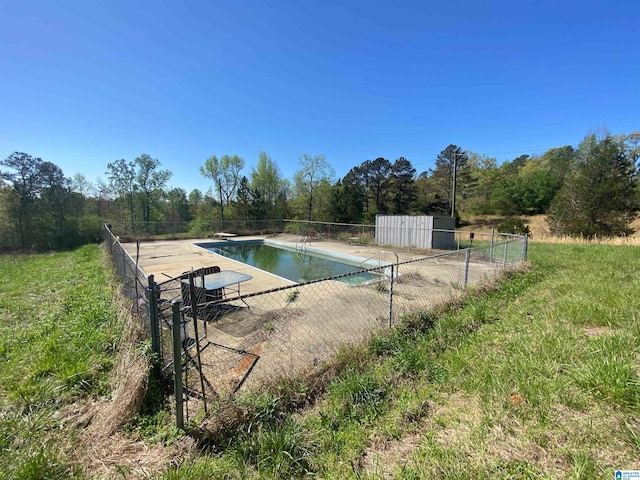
[381, 287]
[153, 423]
[357, 396]
[631, 430]
[292, 296]
[281, 451]
[264, 407]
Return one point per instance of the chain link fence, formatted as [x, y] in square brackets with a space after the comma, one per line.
[135, 282]
[215, 343]
[180, 229]
[330, 229]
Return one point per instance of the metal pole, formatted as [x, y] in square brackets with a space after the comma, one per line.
[124, 262]
[194, 314]
[391, 295]
[177, 365]
[504, 262]
[491, 246]
[135, 276]
[153, 316]
[453, 196]
[525, 248]
[466, 268]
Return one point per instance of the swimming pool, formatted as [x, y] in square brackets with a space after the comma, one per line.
[297, 266]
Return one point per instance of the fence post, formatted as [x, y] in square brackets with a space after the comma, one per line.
[467, 257]
[504, 260]
[124, 262]
[194, 314]
[525, 248]
[491, 246]
[154, 324]
[391, 295]
[177, 365]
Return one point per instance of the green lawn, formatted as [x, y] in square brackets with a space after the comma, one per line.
[58, 333]
[537, 378]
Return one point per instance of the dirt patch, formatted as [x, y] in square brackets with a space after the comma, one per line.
[598, 331]
[385, 457]
[120, 456]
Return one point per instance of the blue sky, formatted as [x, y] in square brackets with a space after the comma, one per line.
[84, 83]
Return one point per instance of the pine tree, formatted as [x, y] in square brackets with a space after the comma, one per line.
[599, 196]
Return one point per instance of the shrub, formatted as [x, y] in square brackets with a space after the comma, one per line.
[514, 225]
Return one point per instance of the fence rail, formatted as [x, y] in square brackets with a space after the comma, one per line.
[229, 342]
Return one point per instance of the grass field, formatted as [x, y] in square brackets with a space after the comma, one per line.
[537, 377]
[58, 333]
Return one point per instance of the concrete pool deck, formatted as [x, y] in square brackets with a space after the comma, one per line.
[254, 339]
[169, 258]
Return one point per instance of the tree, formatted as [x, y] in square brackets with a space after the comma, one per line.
[82, 188]
[81, 185]
[265, 178]
[225, 174]
[358, 178]
[599, 195]
[452, 173]
[524, 189]
[139, 184]
[244, 199]
[485, 173]
[55, 199]
[39, 210]
[7, 199]
[257, 205]
[322, 200]
[25, 175]
[401, 186]
[314, 170]
[282, 207]
[196, 199]
[378, 171]
[559, 162]
[178, 206]
[346, 202]
[150, 182]
[121, 176]
[102, 198]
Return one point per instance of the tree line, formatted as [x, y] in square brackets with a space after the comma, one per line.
[587, 190]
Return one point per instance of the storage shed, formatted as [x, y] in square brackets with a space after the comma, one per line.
[417, 231]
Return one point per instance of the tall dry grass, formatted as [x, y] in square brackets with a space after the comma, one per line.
[540, 233]
[565, 239]
[130, 376]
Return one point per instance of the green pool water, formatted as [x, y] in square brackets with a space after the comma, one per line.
[296, 266]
